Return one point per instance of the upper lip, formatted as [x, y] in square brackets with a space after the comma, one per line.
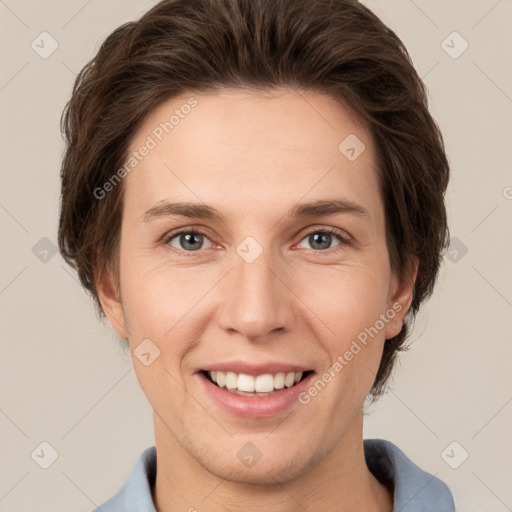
[255, 368]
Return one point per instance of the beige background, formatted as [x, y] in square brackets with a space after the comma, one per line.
[65, 381]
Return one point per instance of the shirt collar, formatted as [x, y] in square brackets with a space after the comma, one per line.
[414, 490]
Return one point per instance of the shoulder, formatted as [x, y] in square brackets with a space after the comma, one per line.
[415, 490]
[136, 493]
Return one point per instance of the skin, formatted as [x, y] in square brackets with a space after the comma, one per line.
[253, 157]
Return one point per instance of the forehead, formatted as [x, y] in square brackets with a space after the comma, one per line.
[258, 147]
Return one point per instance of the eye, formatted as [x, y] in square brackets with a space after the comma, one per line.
[188, 241]
[192, 240]
[321, 239]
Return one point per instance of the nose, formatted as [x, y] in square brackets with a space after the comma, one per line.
[257, 301]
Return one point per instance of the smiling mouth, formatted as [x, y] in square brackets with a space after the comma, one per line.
[261, 385]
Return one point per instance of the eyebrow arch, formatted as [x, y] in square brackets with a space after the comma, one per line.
[185, 209]
[326, 207]
[202, 211]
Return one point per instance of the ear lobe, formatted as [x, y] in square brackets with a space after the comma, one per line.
[110, 300]
[402, 295]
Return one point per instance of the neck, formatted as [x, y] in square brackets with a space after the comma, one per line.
[341, 481]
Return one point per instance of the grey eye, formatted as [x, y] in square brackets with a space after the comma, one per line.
[188, 240]
[321, 240]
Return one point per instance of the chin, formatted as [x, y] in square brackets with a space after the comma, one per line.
[262, 472]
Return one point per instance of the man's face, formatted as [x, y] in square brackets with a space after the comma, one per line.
[259, 291]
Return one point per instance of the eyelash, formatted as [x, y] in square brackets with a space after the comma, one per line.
[344, 240]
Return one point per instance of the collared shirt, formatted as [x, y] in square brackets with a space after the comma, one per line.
[414, 489]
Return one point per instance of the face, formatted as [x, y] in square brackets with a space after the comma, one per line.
[277, 273]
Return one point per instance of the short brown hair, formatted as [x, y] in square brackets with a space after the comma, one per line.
[335, 47]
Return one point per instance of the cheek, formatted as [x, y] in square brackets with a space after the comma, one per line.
[339, 300]
[165, 305]
[346, 300]
[346, 310]
[159, 309]
[153, 296]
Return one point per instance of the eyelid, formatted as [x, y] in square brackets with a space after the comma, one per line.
[345, 240]
[343, 235]
[186, 230]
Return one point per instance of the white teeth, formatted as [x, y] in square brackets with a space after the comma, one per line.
[279, 380]
[231, 380]
[246, 383]
[289, 380]
[261, 384]
[220, 379]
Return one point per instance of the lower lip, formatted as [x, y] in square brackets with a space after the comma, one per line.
[255, 406]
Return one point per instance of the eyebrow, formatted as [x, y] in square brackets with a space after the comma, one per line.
[202, 211]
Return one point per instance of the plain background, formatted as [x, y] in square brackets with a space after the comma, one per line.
[64, 379]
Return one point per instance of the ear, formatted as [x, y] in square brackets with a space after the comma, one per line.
[110, 299]
[401, 295]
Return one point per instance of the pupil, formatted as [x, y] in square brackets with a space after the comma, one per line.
[317, 239]
[188, 244]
